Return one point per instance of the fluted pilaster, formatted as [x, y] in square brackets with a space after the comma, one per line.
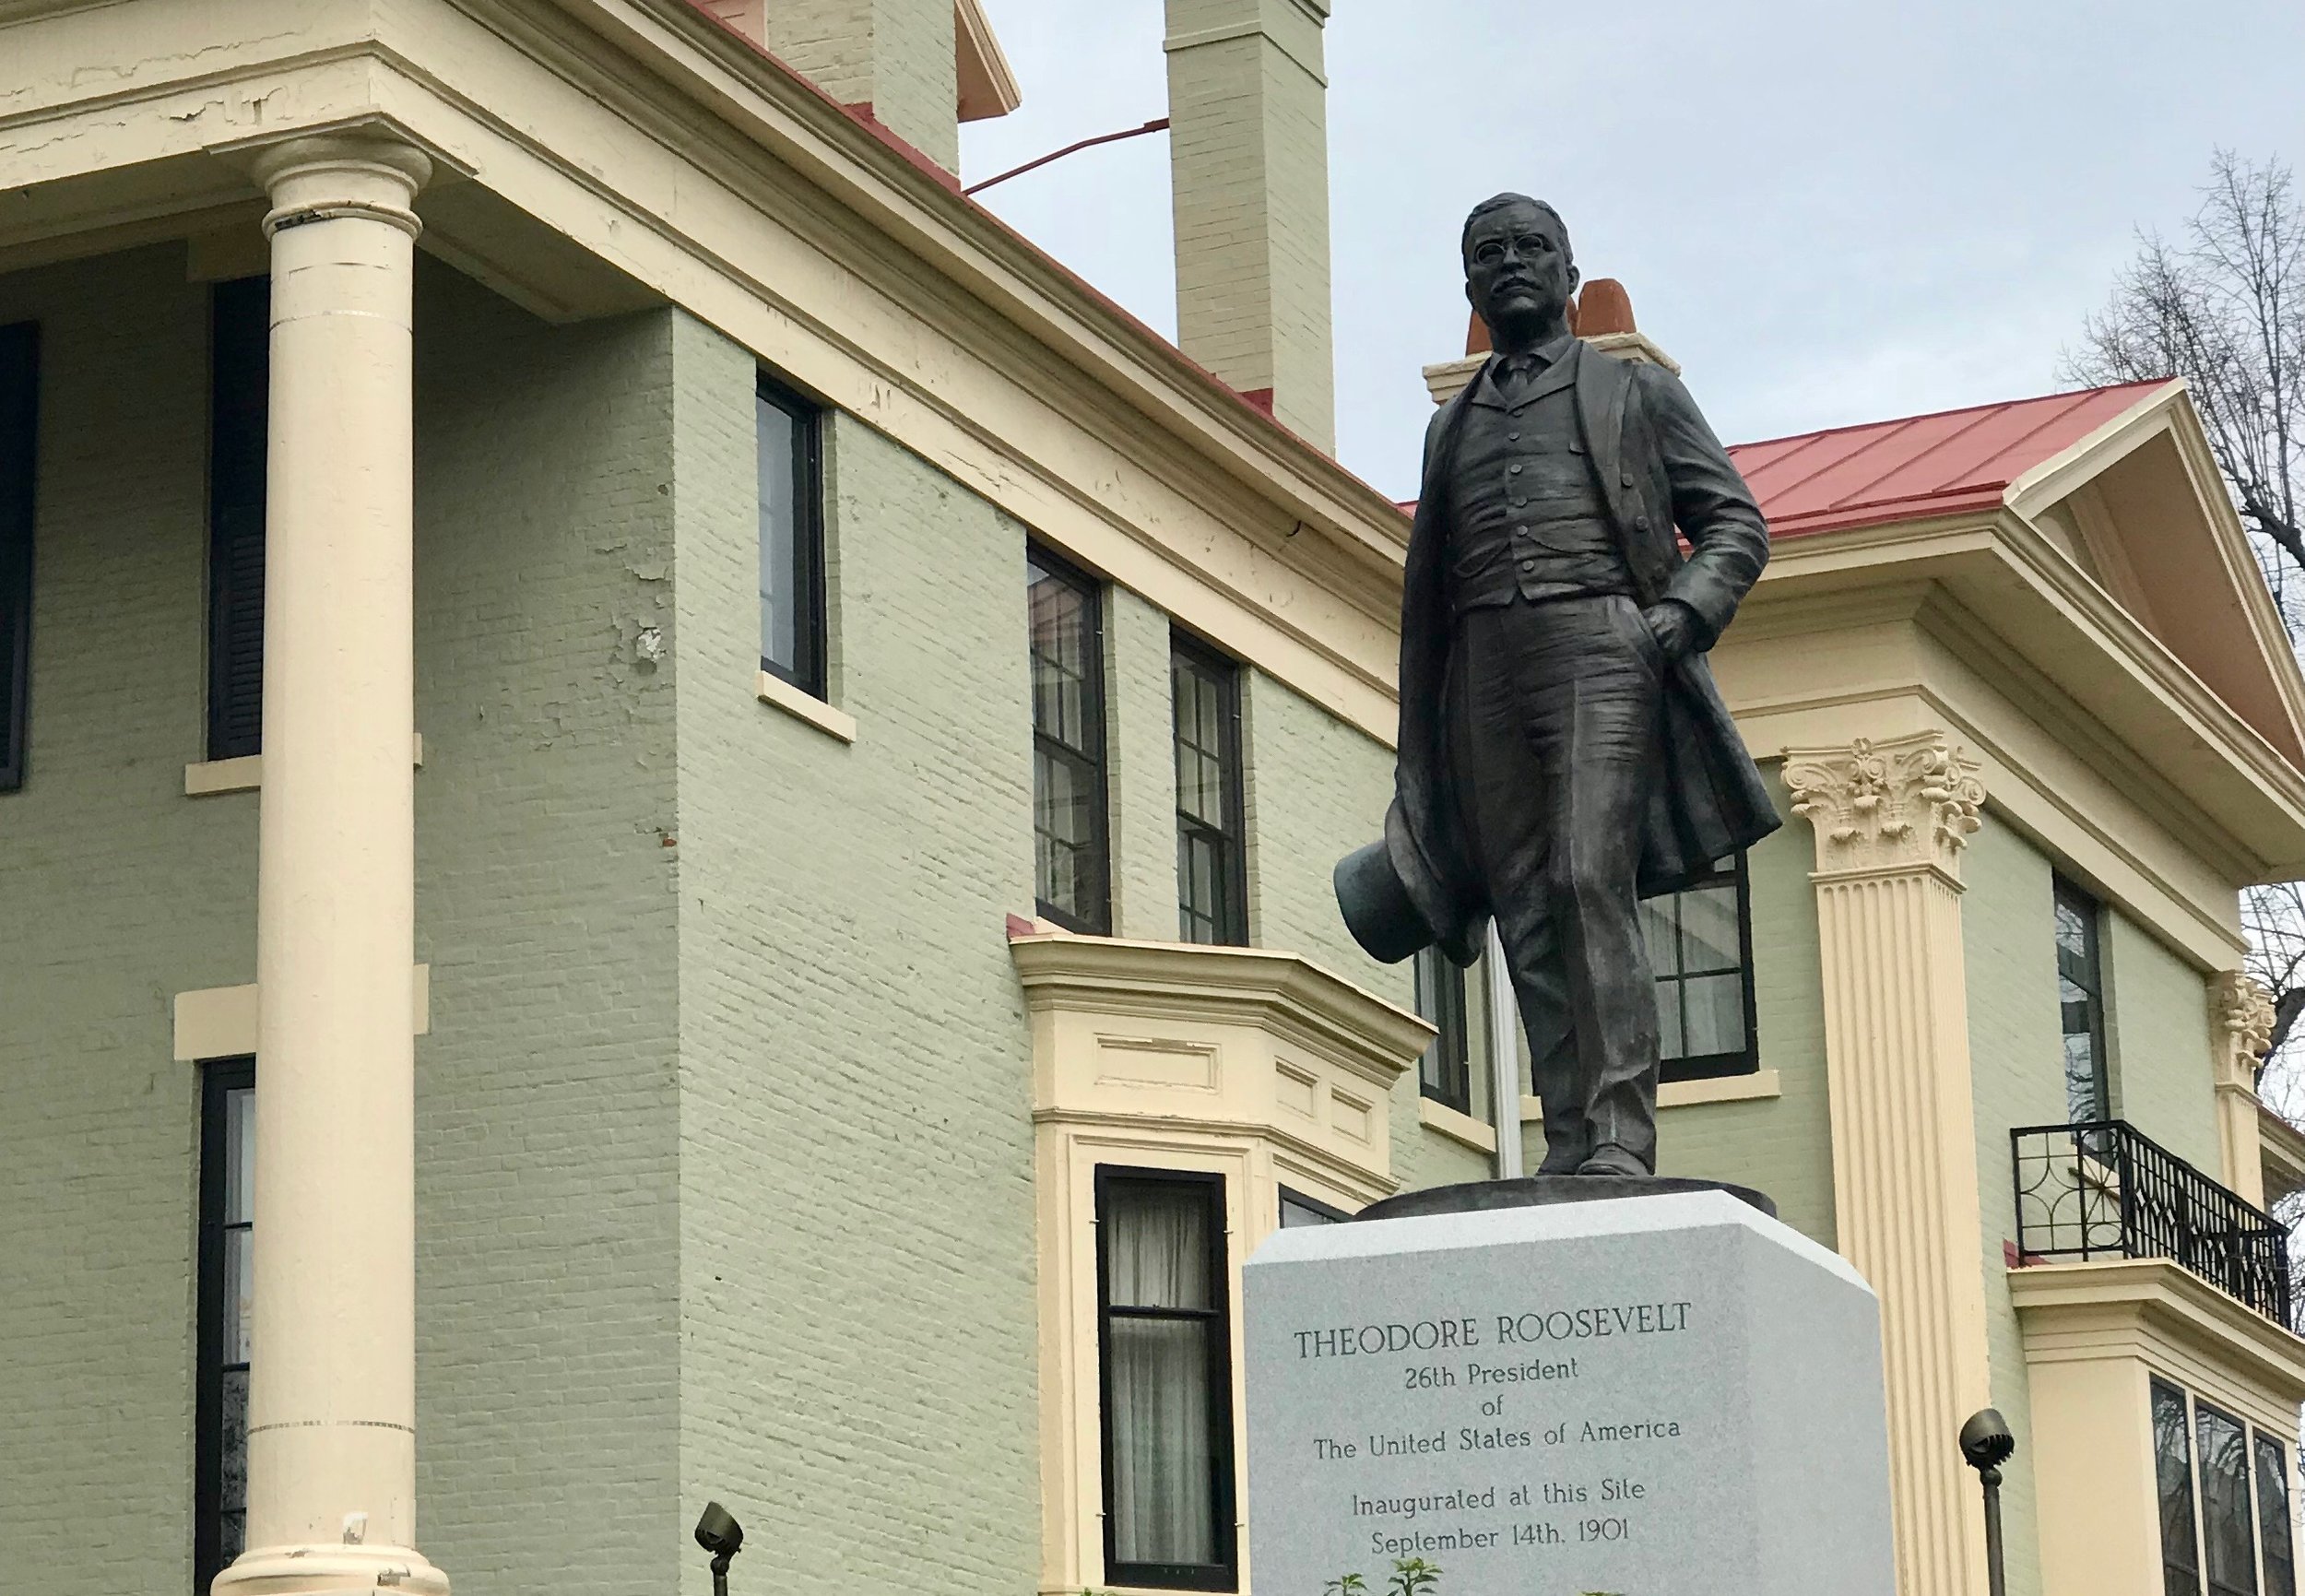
[1891, 818]
[2241, 1018]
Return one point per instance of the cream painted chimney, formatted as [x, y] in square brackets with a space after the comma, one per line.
[894, 58]
[1248, 144]
[1601, 316]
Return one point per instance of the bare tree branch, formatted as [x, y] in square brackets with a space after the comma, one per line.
[2223, 306]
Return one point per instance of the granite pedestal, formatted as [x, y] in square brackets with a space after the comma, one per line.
[1666, 1395]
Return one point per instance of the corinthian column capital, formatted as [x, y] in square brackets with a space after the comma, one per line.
[1897, 802]
[2242, 1012]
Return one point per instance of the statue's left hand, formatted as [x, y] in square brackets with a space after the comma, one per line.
[1673, 624]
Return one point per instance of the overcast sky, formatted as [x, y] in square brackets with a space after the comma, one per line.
[1827, 212]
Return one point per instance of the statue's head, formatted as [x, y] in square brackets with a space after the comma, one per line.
[1519, 270]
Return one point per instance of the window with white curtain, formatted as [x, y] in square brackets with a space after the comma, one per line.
[1164, 1338]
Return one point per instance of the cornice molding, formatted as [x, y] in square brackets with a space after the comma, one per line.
[1888, 806]
[2097, 1310]
[1974, 562]
[1286, 992]
[969, 347]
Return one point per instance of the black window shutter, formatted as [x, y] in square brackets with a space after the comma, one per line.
[241, 377]
[19, 434]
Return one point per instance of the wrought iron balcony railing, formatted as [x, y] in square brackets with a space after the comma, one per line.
[2103, 1190]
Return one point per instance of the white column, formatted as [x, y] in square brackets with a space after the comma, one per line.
[331, 1420]
[1891, 819]
[1504, 1030]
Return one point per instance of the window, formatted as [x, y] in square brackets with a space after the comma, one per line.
[228, 1147]
[790, 436]
[2172, 1470]
[240, 376]
[2081, 1001]
[19, 440]
[1700, 943]
[2272, 1518]
[1447, 1073]
[1298, 1210]
[2225, 1502]
[1067, 654]
[1211, 874]
[1163, 1343]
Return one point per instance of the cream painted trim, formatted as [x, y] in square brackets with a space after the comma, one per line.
[1759, 1086]
[1375, 1040]
[220, 1022]
[2058, 773]
[2152, 1309]
[1456, 1125]
[1636, 347]
[205, 778]
[2095, 1334]
[208, 777]
[1256, 1066]
[2167, 410]
[683, 165]
[2003, 572]
[2282, 1146]
[1446, 379]
[805, 706]
[981, 66]
[1288, 42]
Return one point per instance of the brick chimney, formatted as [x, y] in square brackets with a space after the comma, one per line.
[1601, 316]
[1248, 142]
[893, 58]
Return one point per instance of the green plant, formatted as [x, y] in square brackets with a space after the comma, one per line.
[1413, 1576]
[1346, 1585]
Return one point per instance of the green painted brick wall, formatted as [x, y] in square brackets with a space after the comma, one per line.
[545, 1278]
[2159, 1030]
[1141, 762]
[115, 893]
[1782, 1145]
[548, 1219]
[2016, 1067]
[1318, 788]
[858, 1375]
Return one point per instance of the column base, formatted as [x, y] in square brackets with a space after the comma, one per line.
[329, 1571]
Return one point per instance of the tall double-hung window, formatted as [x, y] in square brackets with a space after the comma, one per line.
[227, 1170]
[1701, 945]
[1446, 1074]
[1165, 1335]
[1069, 850]
[790, 437]
[2224, 1489]
[2081, 1004]
[239, 380]
[19, 440]
[1212, 828]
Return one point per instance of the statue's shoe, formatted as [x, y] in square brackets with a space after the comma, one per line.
[1610, 1159]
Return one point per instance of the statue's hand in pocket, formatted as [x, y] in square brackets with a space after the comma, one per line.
[1673, 625]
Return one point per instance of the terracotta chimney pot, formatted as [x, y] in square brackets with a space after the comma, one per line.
[1604, 307]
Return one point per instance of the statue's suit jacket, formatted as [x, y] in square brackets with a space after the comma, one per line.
[1659, 467]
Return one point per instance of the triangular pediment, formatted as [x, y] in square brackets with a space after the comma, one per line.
[2139, 506]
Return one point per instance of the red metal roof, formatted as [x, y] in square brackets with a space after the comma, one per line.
[1920, 465]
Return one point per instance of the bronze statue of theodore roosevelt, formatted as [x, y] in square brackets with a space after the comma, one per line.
[1564, 752]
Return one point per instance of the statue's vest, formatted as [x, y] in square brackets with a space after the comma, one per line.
[1528, 520]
